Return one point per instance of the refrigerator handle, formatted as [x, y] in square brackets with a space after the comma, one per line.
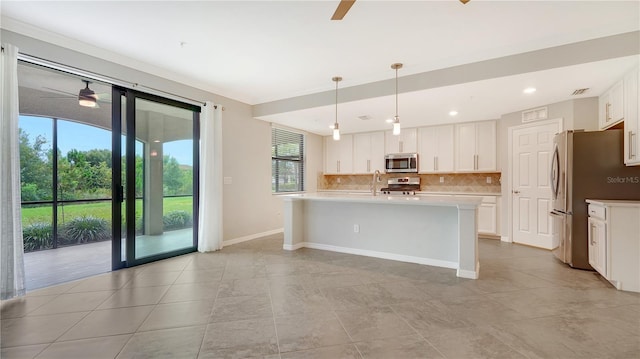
[631, 154]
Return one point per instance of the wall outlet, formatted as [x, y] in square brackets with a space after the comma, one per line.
[488, 179]
[441, 179]
[356, 228]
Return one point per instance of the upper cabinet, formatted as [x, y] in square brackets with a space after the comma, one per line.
[405, 142]
[435, 148]
[475, 145]
[338, 156]
[368, 152]
[611, 106]
[631, 118]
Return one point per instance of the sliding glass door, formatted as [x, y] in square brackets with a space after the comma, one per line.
[156, 150]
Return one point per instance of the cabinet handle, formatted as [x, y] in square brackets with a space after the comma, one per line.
[608, 112]
[435, 166]
[338, 166]
[401, 146]
[631, 152]
[368, 165]
[475, 162]
[593, 242]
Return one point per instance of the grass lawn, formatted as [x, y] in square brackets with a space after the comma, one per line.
[96, 209]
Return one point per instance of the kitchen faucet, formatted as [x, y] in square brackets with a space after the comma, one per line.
[376, 178]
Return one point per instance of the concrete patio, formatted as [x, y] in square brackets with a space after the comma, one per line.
[55, 266]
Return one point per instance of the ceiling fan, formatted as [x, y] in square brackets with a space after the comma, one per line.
[86, 96]
[345, 5]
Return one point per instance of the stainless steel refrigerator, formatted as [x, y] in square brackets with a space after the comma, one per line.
[586, 165]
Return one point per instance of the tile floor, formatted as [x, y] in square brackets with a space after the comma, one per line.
[256, 300]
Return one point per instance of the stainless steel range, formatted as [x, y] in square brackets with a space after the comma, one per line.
[402, 186]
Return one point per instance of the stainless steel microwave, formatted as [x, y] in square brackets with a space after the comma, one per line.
[401, 163]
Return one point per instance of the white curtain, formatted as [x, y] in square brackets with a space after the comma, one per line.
[11, 248]
[210, 214]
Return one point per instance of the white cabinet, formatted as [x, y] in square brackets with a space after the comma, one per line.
[614, 241]
[488, 210]
[368, 152]
[488, 216]
[632, 118]
[598, 245]
[338, 157]
[611, 106]
[435, 149]
[405, 142]
[475, 145]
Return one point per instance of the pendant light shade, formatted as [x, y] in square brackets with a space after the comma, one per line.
[396, 118]
[336, 127]
[87, 97]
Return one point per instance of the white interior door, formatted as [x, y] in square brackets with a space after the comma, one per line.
[532, 149]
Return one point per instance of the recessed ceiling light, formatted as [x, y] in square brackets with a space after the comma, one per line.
[156, 141]
[453, 113]
[529, 90]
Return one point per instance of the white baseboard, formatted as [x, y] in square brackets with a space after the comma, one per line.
[289, 247]
[383, 255]
[251, 237]
[463, 273]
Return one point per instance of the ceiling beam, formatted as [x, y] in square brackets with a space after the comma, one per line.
[604, 48]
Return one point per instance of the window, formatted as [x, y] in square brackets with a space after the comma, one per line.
[287, 161]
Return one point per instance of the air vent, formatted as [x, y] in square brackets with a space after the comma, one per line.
[579, 91]
[364, 117]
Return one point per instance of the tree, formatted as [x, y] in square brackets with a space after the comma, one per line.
[35, 168]
[171, 175]
[95, 157]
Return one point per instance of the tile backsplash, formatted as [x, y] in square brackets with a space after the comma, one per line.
[452, 182]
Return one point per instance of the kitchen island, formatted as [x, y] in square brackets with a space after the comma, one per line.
[432, 230]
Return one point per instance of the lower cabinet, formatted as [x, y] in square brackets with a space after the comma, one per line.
[488, 216]
[488, 219]
[598, 245]
[614, 241]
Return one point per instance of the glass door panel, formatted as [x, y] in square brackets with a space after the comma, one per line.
[164, 178]
[158, 177]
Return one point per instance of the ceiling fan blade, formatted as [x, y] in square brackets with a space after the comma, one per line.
[464, 1]
[342, 9]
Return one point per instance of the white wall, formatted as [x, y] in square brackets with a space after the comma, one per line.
[576, 114]
[249, 207]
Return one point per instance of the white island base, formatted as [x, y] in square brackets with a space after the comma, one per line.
[430, 230]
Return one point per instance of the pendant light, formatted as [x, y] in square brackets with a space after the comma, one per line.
[87, 97]
[396, 119]
[336, 128]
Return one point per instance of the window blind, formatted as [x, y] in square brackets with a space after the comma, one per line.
[287, 161]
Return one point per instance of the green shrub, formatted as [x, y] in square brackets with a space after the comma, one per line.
[37, 236]
[87, 229]
[176, 220]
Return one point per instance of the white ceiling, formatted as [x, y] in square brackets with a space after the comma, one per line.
[263, 51]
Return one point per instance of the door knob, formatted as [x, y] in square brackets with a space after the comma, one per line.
[515, 192]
